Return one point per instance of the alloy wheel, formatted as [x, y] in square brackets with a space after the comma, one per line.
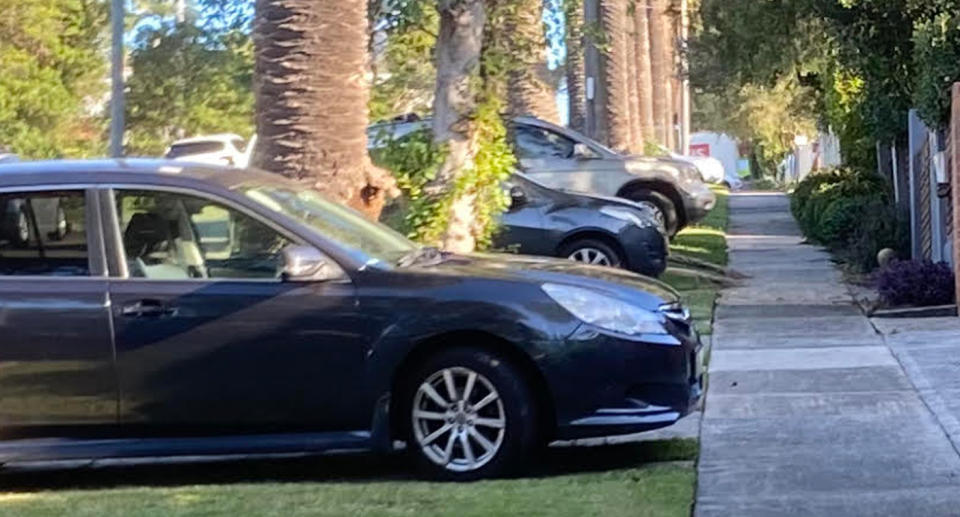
[656, 211]
[591, 256]
[458, 419]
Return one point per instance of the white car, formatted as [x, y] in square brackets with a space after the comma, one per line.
[710, 168]
[224, 149]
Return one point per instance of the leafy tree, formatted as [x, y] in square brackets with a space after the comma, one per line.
[51, 77]
[187, 80]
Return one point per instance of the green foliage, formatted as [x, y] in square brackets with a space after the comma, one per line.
[51, 71]
[849, 211]
[187, 80]
[937, 57]
[404, 75]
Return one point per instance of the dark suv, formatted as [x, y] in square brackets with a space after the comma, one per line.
[295, 324]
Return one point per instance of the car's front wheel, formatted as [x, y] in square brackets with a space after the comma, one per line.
[662, 208]
[592, 251]
[470, 415]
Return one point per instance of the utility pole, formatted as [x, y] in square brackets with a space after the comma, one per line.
[685, 77]
[181, 11]
[593, 82]
[116, 79]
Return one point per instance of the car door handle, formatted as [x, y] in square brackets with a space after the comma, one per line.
[148, 309]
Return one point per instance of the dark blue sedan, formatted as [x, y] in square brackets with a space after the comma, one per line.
[204, 310]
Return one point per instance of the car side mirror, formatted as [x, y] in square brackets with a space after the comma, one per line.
[307, 264]
[583, 152]
[518, 197]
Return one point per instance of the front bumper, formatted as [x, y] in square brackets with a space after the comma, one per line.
[698, 201]
[646, 250]
[624, 385]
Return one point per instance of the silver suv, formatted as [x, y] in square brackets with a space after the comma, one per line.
[565, 159]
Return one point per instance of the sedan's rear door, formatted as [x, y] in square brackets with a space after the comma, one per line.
[57, 373]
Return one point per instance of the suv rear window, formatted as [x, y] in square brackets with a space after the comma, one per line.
[179, 150]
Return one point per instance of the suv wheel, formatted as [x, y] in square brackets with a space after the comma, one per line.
[662, 207]
[592, 251]
[470, 415]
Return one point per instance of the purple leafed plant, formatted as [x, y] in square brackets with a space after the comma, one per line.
[919, 283]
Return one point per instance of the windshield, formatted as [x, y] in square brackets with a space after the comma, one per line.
[333, 221]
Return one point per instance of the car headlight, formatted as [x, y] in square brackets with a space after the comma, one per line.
[604, 311]
[631, 216]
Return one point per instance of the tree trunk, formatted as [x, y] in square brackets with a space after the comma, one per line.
[658, 68]
[531, 89]
[671, 87]
[633, 91]
[641, 42]
[615, 73]
[311, 98]
[576, 96]
[459, 44]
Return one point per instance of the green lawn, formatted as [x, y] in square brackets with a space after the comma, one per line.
[704, 241]
[652, 479]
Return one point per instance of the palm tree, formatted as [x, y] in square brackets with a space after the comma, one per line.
[576, 99]
[311, 98]
[641, 43]
[659, 69]
[531, 89]
[633, 92]
[615, 73]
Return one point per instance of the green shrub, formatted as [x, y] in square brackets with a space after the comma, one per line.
[882, 225]
[814, 199]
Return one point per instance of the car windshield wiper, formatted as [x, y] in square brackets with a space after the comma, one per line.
[425, 256]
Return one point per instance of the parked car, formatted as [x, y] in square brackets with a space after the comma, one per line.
[42, 218]
[224, 149]
[711, 169]
[319, 330]
[567, 160]
[592, 229]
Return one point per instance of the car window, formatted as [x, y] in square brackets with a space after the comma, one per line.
[187, 149]
[43, 234]
[172, 236]
[535, 142]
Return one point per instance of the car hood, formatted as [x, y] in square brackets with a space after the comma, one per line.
[640, 290]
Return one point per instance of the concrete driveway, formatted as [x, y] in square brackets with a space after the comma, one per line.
[809, 409]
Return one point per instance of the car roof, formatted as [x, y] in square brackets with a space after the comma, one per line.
[220, 137]
[130, 169]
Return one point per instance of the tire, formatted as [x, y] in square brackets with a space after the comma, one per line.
[662, 205]
[498, 451]
[592, 251]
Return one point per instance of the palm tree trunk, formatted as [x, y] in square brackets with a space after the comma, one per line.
[311, 98]
[458, 48]
[633, 92]
[659, 69]
[673, 82]
[615, 73]
[576, 98]
[641, 41]
[531, 89]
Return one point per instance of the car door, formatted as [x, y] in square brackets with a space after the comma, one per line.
[210, 339]
[551, 158]
[521, 225]
[56, 356]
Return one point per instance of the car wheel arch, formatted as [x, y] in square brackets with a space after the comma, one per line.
[593, 234]
[484, 341]
[663, 187]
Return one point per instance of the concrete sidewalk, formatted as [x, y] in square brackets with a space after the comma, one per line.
[809, 411]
